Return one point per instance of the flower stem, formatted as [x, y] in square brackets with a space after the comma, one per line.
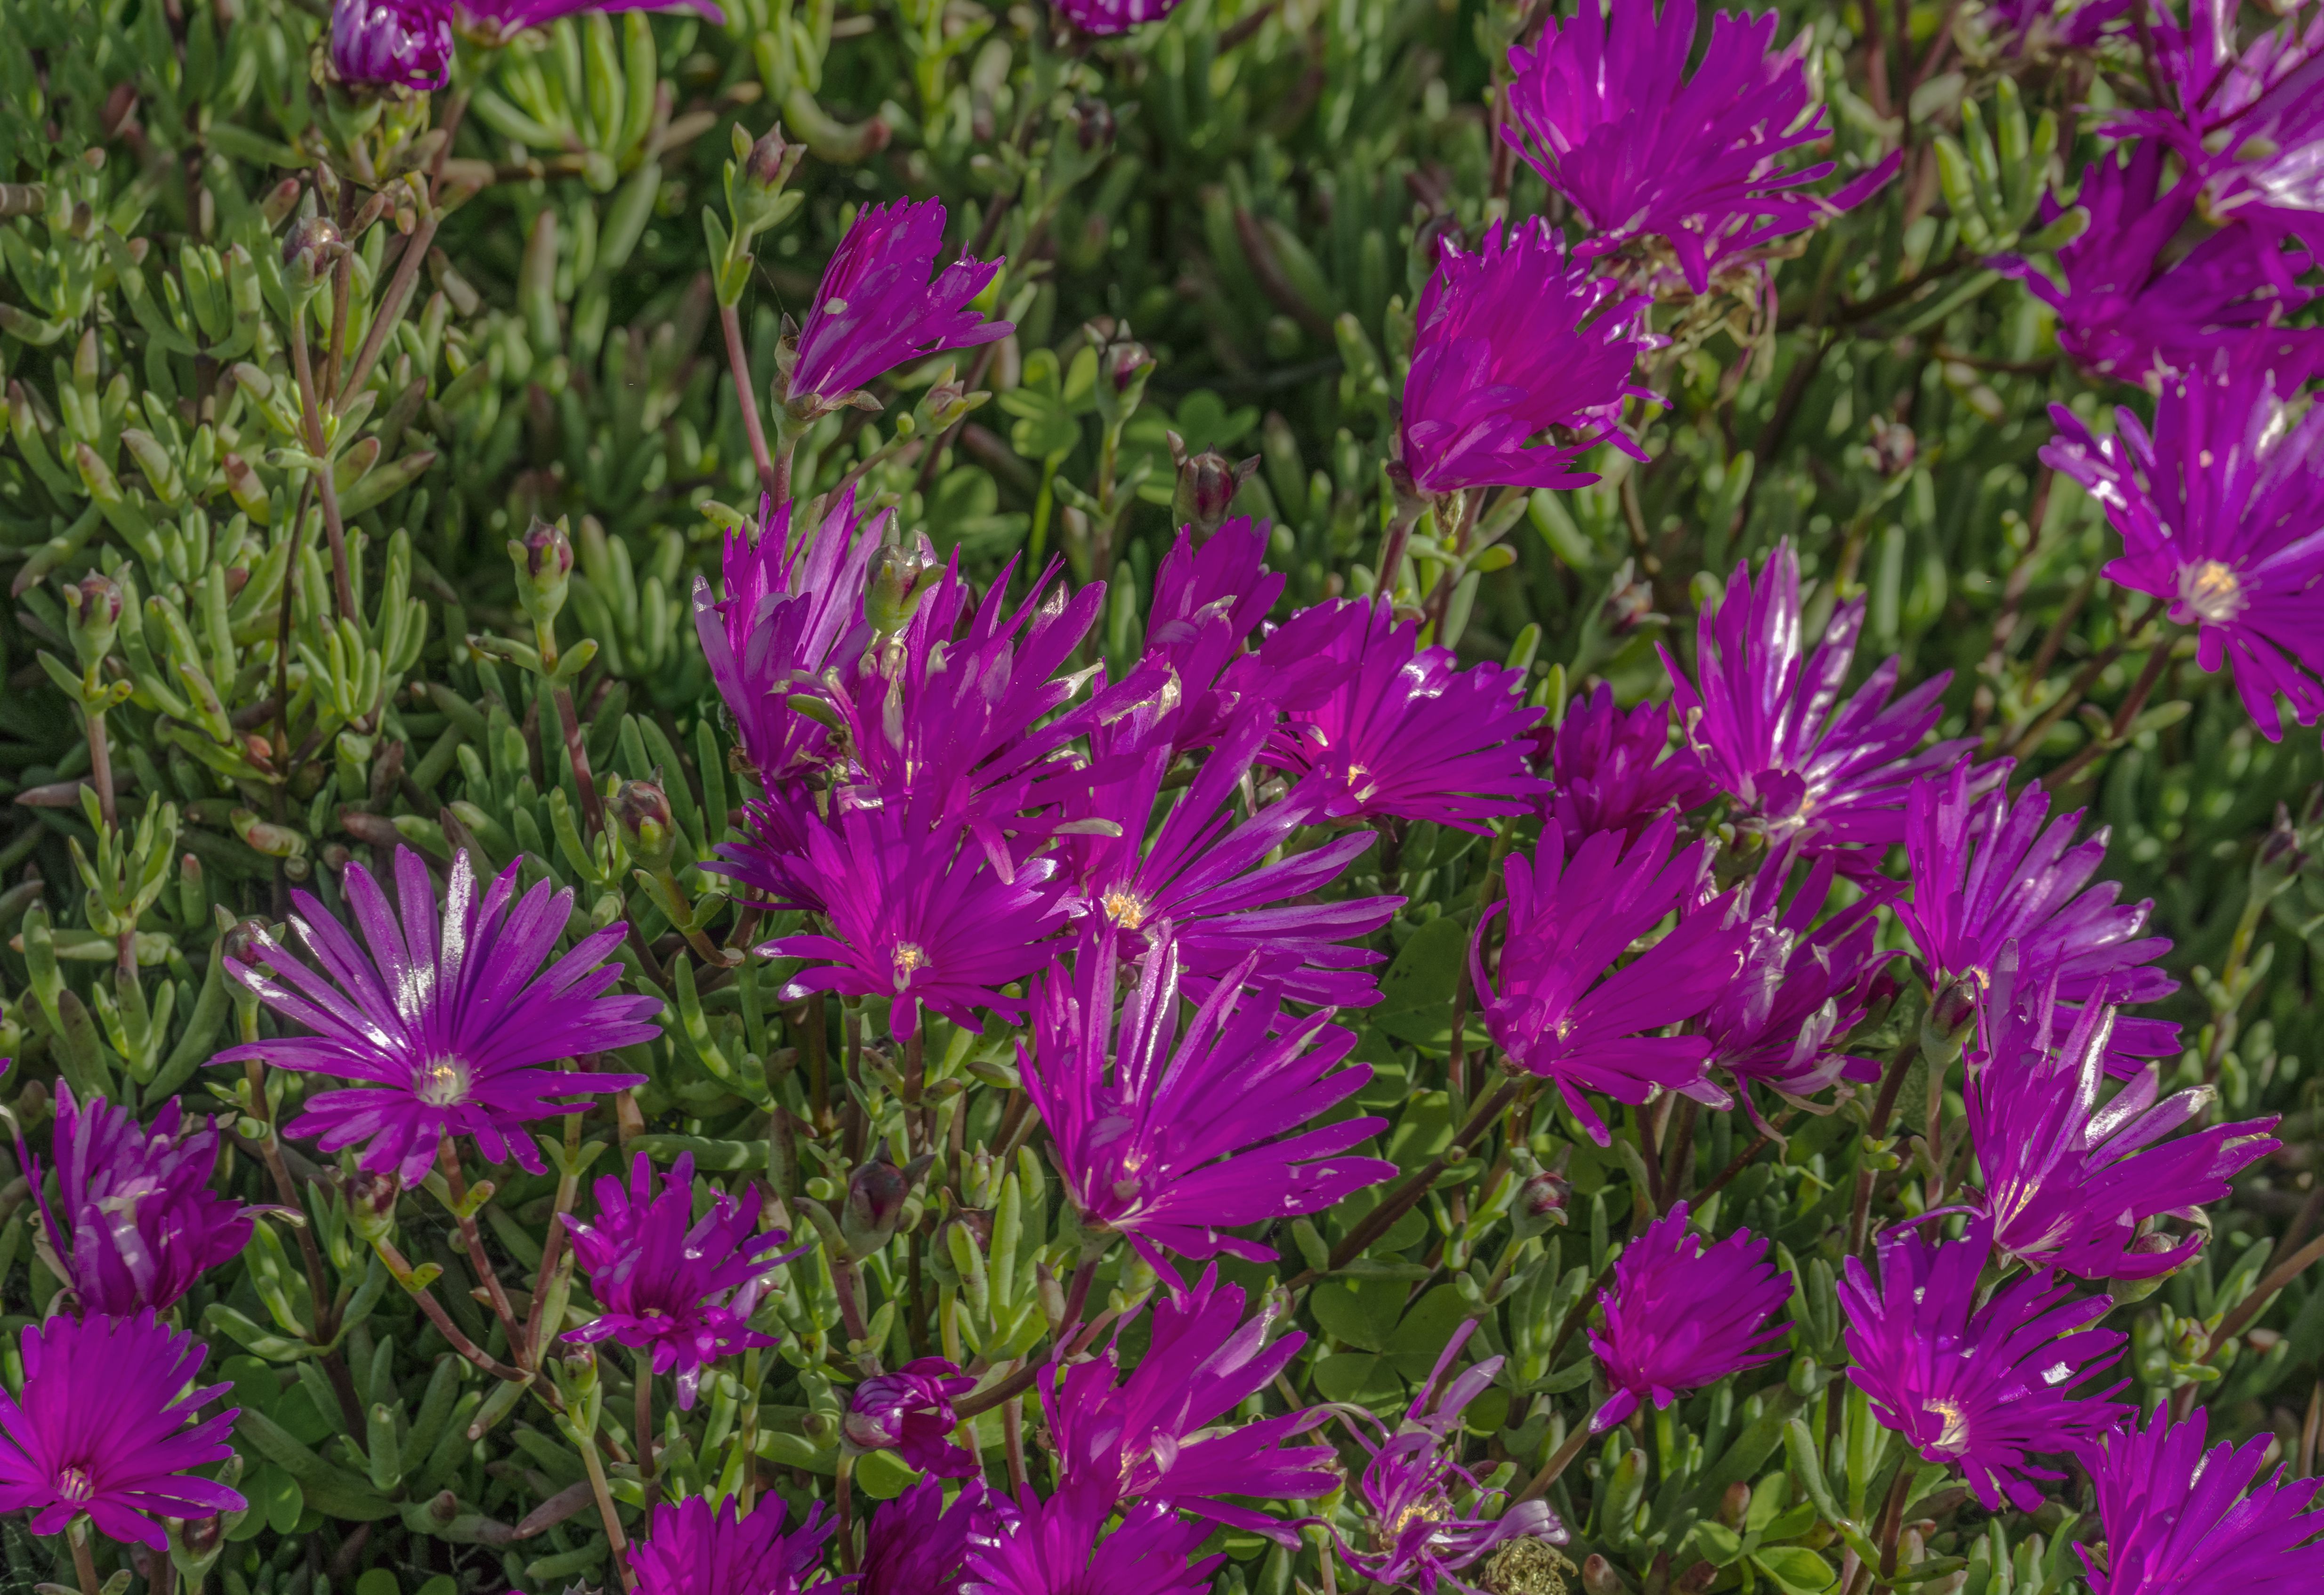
[606, 1513]
[738, 362]
[1562, 1458]
[84, 1559]
[644, 1423]
[1892, 1521]
[325, 477]
[471, 1236]
[568, 1185]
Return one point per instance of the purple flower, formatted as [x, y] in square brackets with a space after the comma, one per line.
[1101, 18]
[1569, 919]
[1679, 1316]
[877, 307]
[664, 1281]
[1059, 1547]
[2221, 512]
[1208, 876]
[2179, 1519]
[690, 1549]
[496, 22]
[1420, 1537]
[145, 1224]
[917, 1546]
[101, 1429]
[1802, 990]
[2134, 306]
[1605, 111]
[448, 1025]
[1173, 1139]
[1979, 1385]
[1770, 728]
[1986, 876]
[2037, 27]
[1207, 601]
[391, 43]
[2070, 1182]
[909, 1411]
[1511, 342]
[916, 914]
[1615, 770]
[1156, 1435]
[1381, 729]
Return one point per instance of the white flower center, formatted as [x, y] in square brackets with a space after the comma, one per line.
[74, 1485]
[2212, 592]
[908, 956]
[442, 1083]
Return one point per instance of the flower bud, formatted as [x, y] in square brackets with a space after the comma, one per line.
[876, 1194]
[371, 1204]
[196, 1538]
[641, 809]
[1541, 1200]
[1207, 484]
[309, 249]
[898, 579]
[543, 558]
[1893, 447]
[92, 612]
[1125, 362]
[1630, 602]
[1734, 1503]
[242, 941]
[1599, 1577]
[1093, 121]
[2281, 857]
[911, 1411]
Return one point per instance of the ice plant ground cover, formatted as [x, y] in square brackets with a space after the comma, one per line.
[1151, 797]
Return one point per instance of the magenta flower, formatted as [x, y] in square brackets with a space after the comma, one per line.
[2179, 1519]
[1803, 988]
[1421, 1538]
[1605, 110]
[2071, 1183]
[1987, 877]
[1770, 727]
[393, 44]
[1562, 1010]
[1615, 770]
[917, 914]
[2135, 308]
[877, 307]
[909, 1411]
[1060, 1547]
[1208, 876]
[144, 1223]
[1681, 1315]
[1983, 1386]
[1520, 363]
[1206, 602]
[917, 1546]
[100, 1429]
[1156, 1435]
[1172, 1140]
[665, 1282]
[1101, 18]
[690, 1549]
[2221, 512]
[448, 1025]
[2037, 27]
[1377, 728]
[496, 22]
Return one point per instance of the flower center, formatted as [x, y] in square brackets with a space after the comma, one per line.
[1125, 907]
[442, 1083]
[2212, 592]
[1954, 1436]
[75, 1486]
[908, 956]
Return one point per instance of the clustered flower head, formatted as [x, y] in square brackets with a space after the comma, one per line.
[1605, 110]
[679, 1287]
[909, 1411]
[1521, 360]
[1681, 1315]
[140, 1221]
[2180, 1518]
[690, 1548]
[448, 1023]
[1615, 770]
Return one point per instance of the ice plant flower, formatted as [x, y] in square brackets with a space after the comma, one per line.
[2179, 1519]
[1605, 110]
[1615, 770]
[1174, 1139]
[917, 1545]
[450, 1023]
[1420, 1538]
[909, 1411]
[142, 1222]
[916, 914]
[1987, 876]
[2221, 514]
[680, 1288]
[101, 1429]
[392, 44]
[1060, 1547]
[1382, 726]
[1101, 18]
[496, 22]
[690, 1549]
[1983, 1387]
[1207, 601]
[1208, 876]
[1801, 988]
[1681, 1315]
[878, 309]
[2132, 307]
[1769, 727]
[1153, 1434]
[1520, 362]
[2070, 1182]
[1570, 915]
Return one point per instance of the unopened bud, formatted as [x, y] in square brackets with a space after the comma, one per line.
[242, 941]
[1543, 1198]
[641, 809]
[1630, 602]
[92, 612]
[1093, 121]
[2281, 855]
[1599, 1577]
[1893, 447]
[371, 1204]
[543, 558]
[1125, 362]
[1207, 484]
[309, 249]
[893, 591]
[1734, 1503]
[876, 1194]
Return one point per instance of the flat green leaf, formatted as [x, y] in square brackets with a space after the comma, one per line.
[1795, 1569]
